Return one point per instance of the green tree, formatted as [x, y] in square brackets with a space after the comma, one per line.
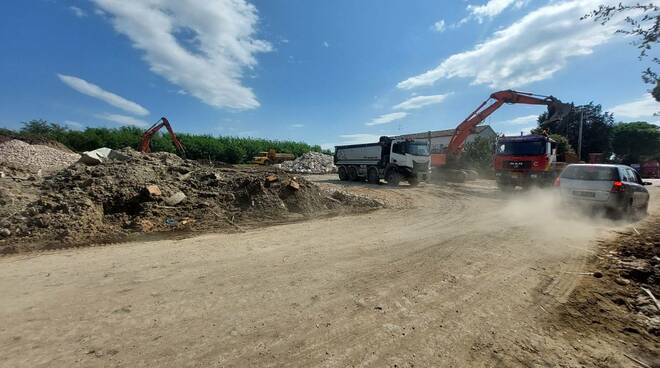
[596, 129]
[636, 141]
[563, 146]
[642, 21]
[478, 154]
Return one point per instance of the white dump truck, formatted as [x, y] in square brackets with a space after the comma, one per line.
[392, 159]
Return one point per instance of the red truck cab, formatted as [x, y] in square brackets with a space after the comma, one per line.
[525, 161]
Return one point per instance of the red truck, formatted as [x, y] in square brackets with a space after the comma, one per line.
[524, 161]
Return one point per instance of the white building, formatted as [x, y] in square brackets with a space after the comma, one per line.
[440, 138]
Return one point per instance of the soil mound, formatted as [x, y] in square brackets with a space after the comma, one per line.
[158, 192]
[19, 156]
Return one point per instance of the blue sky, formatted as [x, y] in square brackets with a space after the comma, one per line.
[324, 72]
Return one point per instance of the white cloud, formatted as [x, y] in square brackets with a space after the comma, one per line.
[492, 8]
[645, 106]
[123, 120]
[522, 120]
[421, 101]
[387, 118]
[297, 125]
[326, 44]
[77, 11]
[439, 26]
[202, 46]
[532, 49]
[95, 91]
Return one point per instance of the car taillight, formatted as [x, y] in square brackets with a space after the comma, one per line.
[557, 182]
[617, 186]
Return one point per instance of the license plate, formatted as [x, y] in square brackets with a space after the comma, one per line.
[515, 175]
[584, 194]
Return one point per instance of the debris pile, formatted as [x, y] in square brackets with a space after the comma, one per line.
[156, 192]
[310, 163]
[34, 158]
[623, 294]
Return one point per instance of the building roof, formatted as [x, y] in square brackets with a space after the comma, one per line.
[445, 133]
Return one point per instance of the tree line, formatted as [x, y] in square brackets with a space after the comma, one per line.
[233, 150]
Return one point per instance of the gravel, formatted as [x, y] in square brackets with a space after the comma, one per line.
[310, 163]
[34, 158]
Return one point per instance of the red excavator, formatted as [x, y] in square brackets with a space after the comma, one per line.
[447, 162]
[145, 143]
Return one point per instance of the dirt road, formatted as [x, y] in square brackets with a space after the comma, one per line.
[451, 276]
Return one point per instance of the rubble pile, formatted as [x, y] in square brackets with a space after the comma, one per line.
[310, 163]
[157, 192]
[33, 158]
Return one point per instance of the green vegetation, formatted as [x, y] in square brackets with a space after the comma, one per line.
[198, 147]
[563, 146]
[636, 141]
[478, 155]
[596, 129]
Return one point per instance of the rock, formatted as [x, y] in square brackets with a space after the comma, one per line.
[4, 232]
[175, 199]
[271, 178]
[101, 155]
[96, 156]
[598, 274]
[293, 185]
[152, 190]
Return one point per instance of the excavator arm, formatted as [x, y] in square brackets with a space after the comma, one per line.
[556, 110]
[145, 142]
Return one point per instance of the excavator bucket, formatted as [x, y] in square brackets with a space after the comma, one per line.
[557, 110]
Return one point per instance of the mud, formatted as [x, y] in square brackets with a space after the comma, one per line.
[112, 201]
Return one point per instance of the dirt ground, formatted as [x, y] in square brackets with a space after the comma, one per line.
[445, 276]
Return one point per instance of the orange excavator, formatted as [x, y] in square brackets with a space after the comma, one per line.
[448, 160]
[145, 142]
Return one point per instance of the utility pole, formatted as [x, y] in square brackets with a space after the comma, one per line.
[580, 135]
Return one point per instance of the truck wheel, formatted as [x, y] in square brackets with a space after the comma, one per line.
[372, 176]
[343, 175]
[393, 178]
[353, 173]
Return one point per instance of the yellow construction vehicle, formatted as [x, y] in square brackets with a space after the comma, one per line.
[272, 157]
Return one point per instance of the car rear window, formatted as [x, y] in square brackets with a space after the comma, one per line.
[590, 173]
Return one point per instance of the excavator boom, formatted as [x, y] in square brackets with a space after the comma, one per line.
[145, 142]
[556, 110]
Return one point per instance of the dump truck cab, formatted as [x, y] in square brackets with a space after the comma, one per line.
[526, 160]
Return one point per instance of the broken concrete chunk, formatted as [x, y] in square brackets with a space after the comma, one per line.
[271, 178]
[96, 156]
[175, 198]
[101, 155]
[4, 232]
[117, 156]
[293, 184]
[152, 190]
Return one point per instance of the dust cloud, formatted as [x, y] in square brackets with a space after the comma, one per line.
[543, 211]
